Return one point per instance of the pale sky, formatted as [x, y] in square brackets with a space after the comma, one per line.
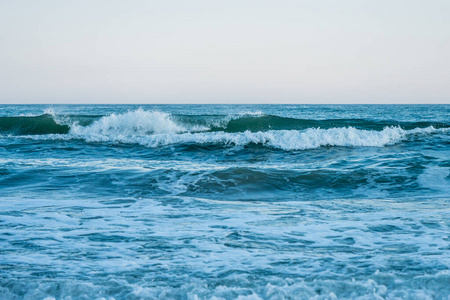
[199, 51]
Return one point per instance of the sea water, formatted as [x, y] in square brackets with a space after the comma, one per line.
[225, 202]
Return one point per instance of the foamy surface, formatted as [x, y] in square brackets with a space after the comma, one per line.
[224, 202]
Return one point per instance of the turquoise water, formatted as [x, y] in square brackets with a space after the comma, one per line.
[224, 202]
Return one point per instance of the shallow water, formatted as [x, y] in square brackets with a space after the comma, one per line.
[225, 202]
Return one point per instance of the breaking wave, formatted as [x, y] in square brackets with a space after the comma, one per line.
[155, 129]
[281, 139]
[138, 122]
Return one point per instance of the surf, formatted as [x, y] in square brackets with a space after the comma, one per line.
[153, 128]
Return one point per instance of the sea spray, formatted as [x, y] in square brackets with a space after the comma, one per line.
[138, 122]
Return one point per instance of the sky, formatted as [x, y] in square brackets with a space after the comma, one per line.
[211, 51]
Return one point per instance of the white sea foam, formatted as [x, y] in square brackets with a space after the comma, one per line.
[281, 139]
[155, 128]
[60, 119]
[169, 133]
[123, 238]
[49, 111]
[247, 113]
[223, 121]
[138, 122]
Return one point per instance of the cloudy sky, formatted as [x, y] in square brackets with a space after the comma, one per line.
[211, 51]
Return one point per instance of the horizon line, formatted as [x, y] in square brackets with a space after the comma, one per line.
[218, 103]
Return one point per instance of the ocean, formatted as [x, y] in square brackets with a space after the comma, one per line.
[224, 202]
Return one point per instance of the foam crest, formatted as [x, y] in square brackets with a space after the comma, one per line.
[132, 123]
[291, 139]
[49, 111]
[247, 113]
[223, 121]
[315, 138]
[280, 139]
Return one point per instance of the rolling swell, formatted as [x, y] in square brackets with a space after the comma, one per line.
[37, 125]
[270, 122]
[155, 129]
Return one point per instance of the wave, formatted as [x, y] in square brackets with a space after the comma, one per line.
[155, 129]
[35, 125]
[133, 122]
[138, 122]
[142, 122]
[268, 122]
[281, 139]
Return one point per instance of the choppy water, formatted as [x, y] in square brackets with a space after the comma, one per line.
[224, 202]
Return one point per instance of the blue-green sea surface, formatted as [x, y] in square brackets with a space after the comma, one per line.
[224, 202]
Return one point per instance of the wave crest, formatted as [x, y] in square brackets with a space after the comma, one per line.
[138, 122]
[281, 139]
[36, 125]
[156, 128]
